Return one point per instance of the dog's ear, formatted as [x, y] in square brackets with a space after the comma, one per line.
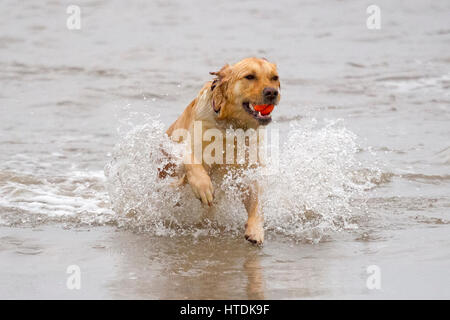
[222, 73]
[219, 87]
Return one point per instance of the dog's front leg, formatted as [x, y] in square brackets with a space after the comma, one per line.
[254, 231]
[200, 182]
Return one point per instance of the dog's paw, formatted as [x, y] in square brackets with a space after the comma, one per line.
[203, 190]
[254, 232]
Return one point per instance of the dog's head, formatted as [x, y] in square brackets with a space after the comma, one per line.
[246, 91]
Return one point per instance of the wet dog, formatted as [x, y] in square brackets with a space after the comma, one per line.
[242, 96]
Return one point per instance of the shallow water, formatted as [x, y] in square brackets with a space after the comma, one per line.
[64, 95]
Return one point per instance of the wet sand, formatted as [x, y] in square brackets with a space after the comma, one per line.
[118, 264]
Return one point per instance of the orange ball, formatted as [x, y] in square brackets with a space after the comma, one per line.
[265, 109]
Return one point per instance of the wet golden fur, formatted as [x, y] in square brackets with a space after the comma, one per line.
[219, 105]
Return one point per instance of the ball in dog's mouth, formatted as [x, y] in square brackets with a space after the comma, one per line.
[260, 112]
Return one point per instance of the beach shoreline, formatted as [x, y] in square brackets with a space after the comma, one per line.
[120, 264]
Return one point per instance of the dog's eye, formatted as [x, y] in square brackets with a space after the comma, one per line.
[275, 78]
[250, 77]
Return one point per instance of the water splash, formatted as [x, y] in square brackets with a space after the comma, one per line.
[307, 196]
[312, 193]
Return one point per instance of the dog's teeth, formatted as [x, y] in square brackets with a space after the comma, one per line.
[259, 113]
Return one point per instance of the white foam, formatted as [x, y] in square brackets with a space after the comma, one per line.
[68, 194]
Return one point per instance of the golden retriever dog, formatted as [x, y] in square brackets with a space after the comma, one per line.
[242, 96]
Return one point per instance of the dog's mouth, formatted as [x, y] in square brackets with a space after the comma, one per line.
[261, 112]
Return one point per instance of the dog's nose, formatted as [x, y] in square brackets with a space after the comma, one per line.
[270, 94]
